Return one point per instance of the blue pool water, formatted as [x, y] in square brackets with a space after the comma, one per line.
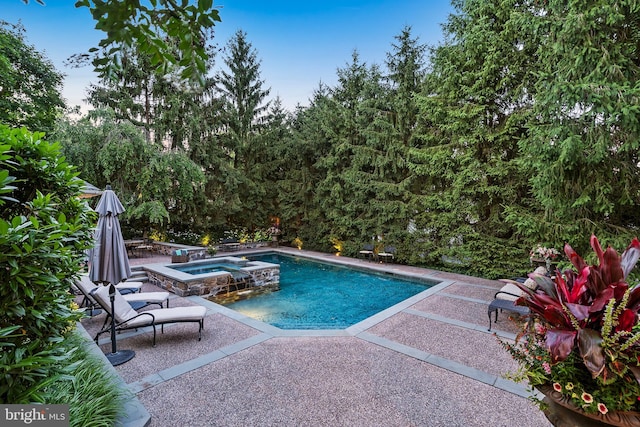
[316, 295]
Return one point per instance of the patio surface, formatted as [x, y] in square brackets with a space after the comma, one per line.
[429, 361]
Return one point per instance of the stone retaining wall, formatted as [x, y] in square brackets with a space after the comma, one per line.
[184, 289]
[253, 275]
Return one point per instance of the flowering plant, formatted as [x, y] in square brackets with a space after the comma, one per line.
[583, 337]
[273, 230]
[542, 252]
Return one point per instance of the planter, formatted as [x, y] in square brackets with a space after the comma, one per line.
[548, 264]
[563, 413]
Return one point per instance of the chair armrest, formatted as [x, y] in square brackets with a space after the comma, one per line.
[153, 318]
[506, 293]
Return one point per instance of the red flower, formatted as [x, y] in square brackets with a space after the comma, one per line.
[602, 408]
[588, 398]
[557, 387]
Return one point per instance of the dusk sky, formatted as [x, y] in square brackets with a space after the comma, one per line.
[299, 43]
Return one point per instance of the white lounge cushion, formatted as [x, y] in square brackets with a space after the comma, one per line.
[168, 315]
[129, 285]
[531, 284]
[126, 316]
[509, 292]
[88, 285]
[122, 309]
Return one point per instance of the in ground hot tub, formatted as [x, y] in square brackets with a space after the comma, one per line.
[221, 278]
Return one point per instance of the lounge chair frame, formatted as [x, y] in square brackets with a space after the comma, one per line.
[121, 326]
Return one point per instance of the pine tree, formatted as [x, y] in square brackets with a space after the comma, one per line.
[243, 117]
[473, 114]
[585, 127]
[348, 167]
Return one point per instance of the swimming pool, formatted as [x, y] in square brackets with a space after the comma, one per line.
[315, 295]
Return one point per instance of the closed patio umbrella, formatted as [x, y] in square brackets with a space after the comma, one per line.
[109, 260]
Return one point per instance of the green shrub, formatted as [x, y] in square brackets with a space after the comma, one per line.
[90, 393]
[44, 230]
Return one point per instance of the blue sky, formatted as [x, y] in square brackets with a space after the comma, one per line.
[299, 42]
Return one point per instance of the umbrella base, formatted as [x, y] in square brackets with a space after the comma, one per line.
[120, 357]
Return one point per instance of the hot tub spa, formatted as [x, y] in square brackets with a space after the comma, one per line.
[220, 279]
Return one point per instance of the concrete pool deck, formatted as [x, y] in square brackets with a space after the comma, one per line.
[429, 361]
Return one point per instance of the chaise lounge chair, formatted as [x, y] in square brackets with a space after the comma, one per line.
[137, 299]
[367, 252]
[127, 318]
[387, 254]
[505, 298]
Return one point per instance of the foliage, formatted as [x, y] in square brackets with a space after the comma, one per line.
[44, 231]
[182, 237]
[133, 23]
[465, 160]
[155, 186]
[583, 336]
[30, 89]
[171, 112]
[464, 165]
[90, 392]
[244, 119]
[582, 148]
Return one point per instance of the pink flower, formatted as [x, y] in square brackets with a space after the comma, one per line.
[540, 329]
[587, 397]
[602, 408]
[557, 387]
[546, 367]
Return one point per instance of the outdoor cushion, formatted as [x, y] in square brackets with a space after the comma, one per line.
[122, 309]
[168, 315]
[86, 286]
[127, 318]
[148, 297]
[510, 291]
[133, 286]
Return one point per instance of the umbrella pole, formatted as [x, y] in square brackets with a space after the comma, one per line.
[116, 357]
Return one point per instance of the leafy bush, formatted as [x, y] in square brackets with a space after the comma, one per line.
[44, 230]
[90, 394]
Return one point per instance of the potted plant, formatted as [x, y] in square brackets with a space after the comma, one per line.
[581, 344]
[274, 231]
[212, 250]
[543, 256]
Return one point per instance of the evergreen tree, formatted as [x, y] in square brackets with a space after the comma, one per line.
[473, 114]
[171, 112]
[349, 172]
[585, 127]
[390, 135]
[157, 187]
[243, 119]
[297, 201]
